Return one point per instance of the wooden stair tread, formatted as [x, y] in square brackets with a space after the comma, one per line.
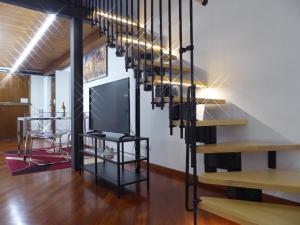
[176, 99]
[275, 180]
[245, 147]
[252, 213]
[175, 67]
[209, 123]
[176, 81]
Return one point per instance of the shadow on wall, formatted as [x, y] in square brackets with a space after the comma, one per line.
[200, 74]
[255, 130]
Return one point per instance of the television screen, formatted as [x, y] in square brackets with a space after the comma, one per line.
[110, 107]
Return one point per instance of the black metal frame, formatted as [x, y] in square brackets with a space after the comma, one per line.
[119, 163]
[76, 47]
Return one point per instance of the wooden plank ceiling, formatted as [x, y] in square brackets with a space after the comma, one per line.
[18, 25]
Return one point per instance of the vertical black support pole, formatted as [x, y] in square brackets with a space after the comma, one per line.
[108, 22]
[121, 24]
[161, 56]
[193, 117]
[93, 13]
[152, 55]
[104, 18]
[96, 159]
[76, 51]
[137, 119]
[112, 21]
[170, 69]
[119, 172]
[187, 154]
[181, 68]
[272, 159]
[145, 44]
[117, 25]
[132, 52]
[126, 56]
[148, 169]
[99, 18]
[137, 97]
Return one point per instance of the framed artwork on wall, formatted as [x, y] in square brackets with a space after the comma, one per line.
[95, 64]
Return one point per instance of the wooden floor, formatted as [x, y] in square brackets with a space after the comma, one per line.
[65, 198]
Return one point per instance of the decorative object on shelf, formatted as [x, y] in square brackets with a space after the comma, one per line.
[95, 64]
[63, 107]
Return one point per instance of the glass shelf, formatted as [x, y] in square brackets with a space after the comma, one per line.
[112, 156]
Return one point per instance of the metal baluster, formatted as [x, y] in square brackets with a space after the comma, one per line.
[100, 17]
[187, 162]
[161, 56]
[108, 21]
[137, 94]
[103, 18]
[112, 22]
[145, 44]
[92, 10]
[181, 69]
[89, 9]
[193, 118]
[126, 56]
[132, 52]
[170, 69]
[152, 55]
[121, 15]
[138, 36]
[117, 26]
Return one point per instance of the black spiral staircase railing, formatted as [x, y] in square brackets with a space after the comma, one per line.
[144, 50]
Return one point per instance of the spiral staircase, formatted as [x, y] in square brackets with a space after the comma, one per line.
[173, 87]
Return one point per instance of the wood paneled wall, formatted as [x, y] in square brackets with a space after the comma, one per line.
[12, 89]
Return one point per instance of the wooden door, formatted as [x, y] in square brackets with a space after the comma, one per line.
[12, 89]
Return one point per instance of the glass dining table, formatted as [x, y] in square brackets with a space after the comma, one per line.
[24, 124]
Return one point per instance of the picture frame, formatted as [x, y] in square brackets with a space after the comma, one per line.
[95, 64]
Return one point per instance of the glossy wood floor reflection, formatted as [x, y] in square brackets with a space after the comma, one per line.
[65, 198]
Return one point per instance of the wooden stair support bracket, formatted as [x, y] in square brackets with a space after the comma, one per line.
[214, 123]
[251, 213]
[274, 180]
[230, 147]
[176, 99]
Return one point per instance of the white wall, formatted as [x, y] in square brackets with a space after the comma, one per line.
[40, 91]
[63, 96]
[40, 88]
[252, 47]
[47, 94]
[62, 90]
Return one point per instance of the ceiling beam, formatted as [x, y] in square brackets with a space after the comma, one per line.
[89, 43]
[62, 8]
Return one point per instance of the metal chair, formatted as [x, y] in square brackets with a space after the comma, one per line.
[46, 135]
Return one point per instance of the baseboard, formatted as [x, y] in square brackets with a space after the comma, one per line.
[179, 175]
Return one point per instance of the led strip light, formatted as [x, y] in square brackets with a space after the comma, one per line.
[39, 34]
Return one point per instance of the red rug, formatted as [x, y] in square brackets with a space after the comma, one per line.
[18, 166]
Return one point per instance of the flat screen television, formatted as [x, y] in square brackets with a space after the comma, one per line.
[110, 107]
